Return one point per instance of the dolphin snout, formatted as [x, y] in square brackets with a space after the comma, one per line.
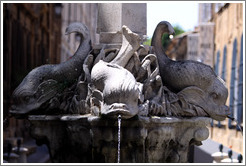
[13, 107]
[221, 114]
[13, 110]
[18, 111]
[227, 110]
[116, 109]
[119, 106]
[18, 114]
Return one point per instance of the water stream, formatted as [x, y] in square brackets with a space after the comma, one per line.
[119, 123]
[238, 125]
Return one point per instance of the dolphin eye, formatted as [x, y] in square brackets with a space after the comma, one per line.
[27, 98]
[214, 95]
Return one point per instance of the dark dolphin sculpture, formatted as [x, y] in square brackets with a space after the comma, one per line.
[46, 81]
[178, 75]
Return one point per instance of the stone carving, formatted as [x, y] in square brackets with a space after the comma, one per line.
[153, 94]
[118, 90]
[86, 138]
[200, 79]
[167, 144]
[49, 87]
[128, 81]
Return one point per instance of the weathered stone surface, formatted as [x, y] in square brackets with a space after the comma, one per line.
[112, 16]
[106, 21]
[109, 38]
[163, 104]
[147, 84]
[67, 137]
[89, 138]
[201, 87]
[49, 86]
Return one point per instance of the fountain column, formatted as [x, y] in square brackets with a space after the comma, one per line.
[112, 16]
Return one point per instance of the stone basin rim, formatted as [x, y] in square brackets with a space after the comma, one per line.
[92, 118]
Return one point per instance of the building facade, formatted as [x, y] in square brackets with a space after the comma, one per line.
[228, 64]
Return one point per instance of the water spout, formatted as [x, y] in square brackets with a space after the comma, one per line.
[119, 123]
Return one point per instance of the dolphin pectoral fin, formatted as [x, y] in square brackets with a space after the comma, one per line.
[194, 101]
[193, 95]
[46, 90]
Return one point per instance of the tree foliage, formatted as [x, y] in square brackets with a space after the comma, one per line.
[165, 38]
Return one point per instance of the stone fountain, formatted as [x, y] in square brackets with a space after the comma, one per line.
[120, 103]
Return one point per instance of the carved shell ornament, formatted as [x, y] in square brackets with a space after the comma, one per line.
[128, 81]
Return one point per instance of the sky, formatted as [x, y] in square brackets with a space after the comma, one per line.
[184, 14]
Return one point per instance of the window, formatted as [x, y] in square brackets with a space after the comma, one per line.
[233, 84]
[223, 74]
[240, 87]
[216, 70]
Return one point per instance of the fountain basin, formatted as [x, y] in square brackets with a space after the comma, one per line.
[87, 138]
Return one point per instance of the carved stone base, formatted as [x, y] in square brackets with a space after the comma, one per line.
[86, 138]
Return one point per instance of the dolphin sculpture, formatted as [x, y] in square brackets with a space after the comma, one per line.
[178, 75]
[46, 81]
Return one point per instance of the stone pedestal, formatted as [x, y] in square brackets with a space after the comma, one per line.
[77, 138]
[112, 16]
